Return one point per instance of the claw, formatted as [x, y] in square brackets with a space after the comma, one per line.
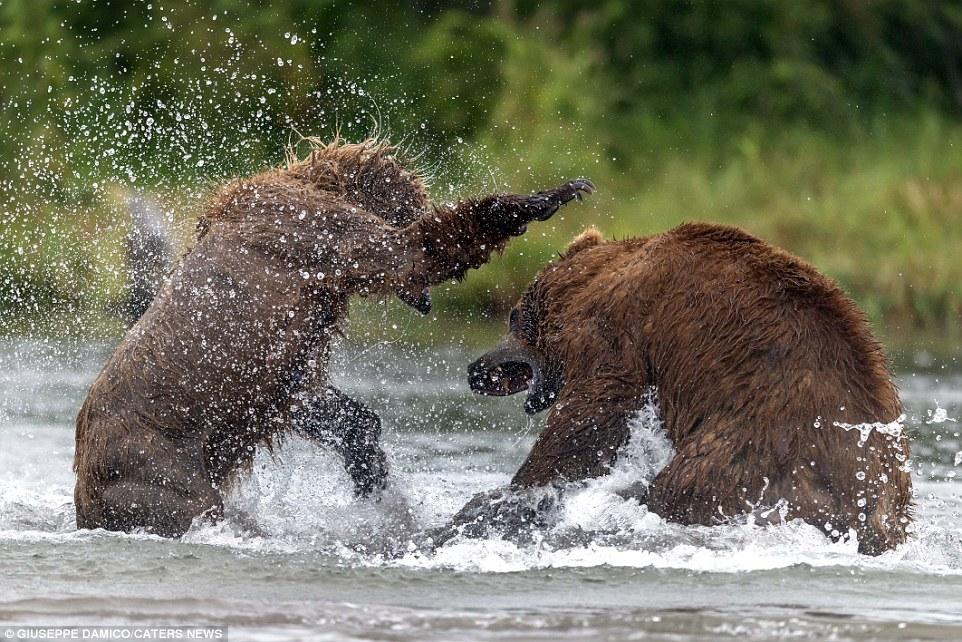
[420, 301]
[557, 197]
[583, 184]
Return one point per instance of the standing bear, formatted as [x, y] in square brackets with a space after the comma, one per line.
[234, 348]
[769, 384]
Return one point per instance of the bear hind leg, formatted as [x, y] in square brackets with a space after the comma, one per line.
[157, 509]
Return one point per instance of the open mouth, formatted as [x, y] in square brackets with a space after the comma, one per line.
[510, 369]
[501, 380]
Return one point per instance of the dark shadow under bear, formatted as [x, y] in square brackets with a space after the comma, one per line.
[234, 348]
[765, 371]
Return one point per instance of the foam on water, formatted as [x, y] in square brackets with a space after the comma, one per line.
[620, 531]
[298, 500]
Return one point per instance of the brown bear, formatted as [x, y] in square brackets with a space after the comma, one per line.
[234, 348]
[769, 383]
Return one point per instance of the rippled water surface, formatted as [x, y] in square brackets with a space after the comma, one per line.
[299, 558]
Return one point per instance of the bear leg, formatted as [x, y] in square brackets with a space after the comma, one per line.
[354, 430]
[160, 510]
[692, 489]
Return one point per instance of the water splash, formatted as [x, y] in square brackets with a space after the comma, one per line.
[892, 428]
[938, 416]
[297, 502]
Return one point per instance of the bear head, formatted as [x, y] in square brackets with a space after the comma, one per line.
[373, 175]
[544, 329]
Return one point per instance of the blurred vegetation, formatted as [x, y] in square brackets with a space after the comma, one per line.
[829, 127]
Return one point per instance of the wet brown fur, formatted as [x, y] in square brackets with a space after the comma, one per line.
[755, 356]
[241, 329]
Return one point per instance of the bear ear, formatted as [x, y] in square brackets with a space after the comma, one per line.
[589, 238]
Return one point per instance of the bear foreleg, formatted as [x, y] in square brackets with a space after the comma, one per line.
[456, 239]
[583, 434]
[445, 242]
[350, 427]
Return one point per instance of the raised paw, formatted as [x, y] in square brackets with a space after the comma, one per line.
[546, 203]
[368, 472]
[511, 213]
[417, 298]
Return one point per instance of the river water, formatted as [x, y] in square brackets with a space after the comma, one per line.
[300, 558]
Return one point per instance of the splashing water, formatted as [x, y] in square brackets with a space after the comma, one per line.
[892, 428]
[299, 499]
[298, 554]
[600, 504]
[938, 416]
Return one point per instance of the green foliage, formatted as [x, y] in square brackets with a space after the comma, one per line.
[830, 126]
[881, 216]
[462, 71]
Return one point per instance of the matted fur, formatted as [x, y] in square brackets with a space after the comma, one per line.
[759, 362]
[233, 350]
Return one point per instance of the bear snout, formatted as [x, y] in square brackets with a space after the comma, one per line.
[507, 378]
[508, 369]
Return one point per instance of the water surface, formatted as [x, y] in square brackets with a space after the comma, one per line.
[300, 558]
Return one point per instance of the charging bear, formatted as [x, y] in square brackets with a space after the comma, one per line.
[769, 383]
